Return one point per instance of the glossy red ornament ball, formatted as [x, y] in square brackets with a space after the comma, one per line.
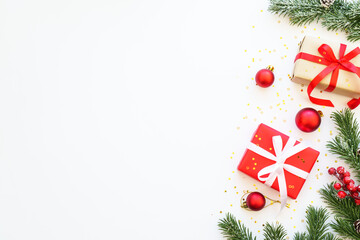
[308, 119]
[337, 186]
[342, 194]
[265, 77]
[255, 201]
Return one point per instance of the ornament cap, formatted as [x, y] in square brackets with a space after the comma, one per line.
[271, 68]
[320, 113]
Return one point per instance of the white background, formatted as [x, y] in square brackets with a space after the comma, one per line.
[127, 119]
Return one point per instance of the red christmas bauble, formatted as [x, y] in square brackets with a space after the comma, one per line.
[255, 201]
[308, 119]
[265, 77]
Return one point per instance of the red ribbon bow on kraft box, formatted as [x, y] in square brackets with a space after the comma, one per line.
[303, 72]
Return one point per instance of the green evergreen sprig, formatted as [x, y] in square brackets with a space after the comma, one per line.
[342, 15]
[317, 228]
[345, 210]
[345, 144]
[274, 232]
[232, 229]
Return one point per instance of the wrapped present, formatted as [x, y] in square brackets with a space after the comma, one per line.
[328, 66]
[279, 161]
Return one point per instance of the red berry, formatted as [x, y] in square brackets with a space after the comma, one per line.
[358, 188]
[355, 194]
[347, 180]
[341, 170]
[357, 201]
[342, 194]
[337, 186]
[350, 187]
[341, 176]
[332, 171]
[346, 174]
[352, 181]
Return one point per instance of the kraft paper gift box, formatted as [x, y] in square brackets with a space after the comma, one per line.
[314, 57]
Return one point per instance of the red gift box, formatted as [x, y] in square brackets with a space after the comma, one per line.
[274, 157]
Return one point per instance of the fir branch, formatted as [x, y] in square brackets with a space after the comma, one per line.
[300, 236]
[274, 232]
[330, 236]
[342, 15]
[317, 228]
[316, 223]
[338, 17]
[354, 34]
[346, 143]
[233, 229]
[300, 12]
[344, 229]
[341, 208]
[345, 210]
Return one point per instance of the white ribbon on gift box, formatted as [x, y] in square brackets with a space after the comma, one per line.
[276, 170]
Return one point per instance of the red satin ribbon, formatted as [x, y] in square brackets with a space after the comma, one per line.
[333, 66]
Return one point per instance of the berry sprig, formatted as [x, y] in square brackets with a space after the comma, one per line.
[347, 184]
